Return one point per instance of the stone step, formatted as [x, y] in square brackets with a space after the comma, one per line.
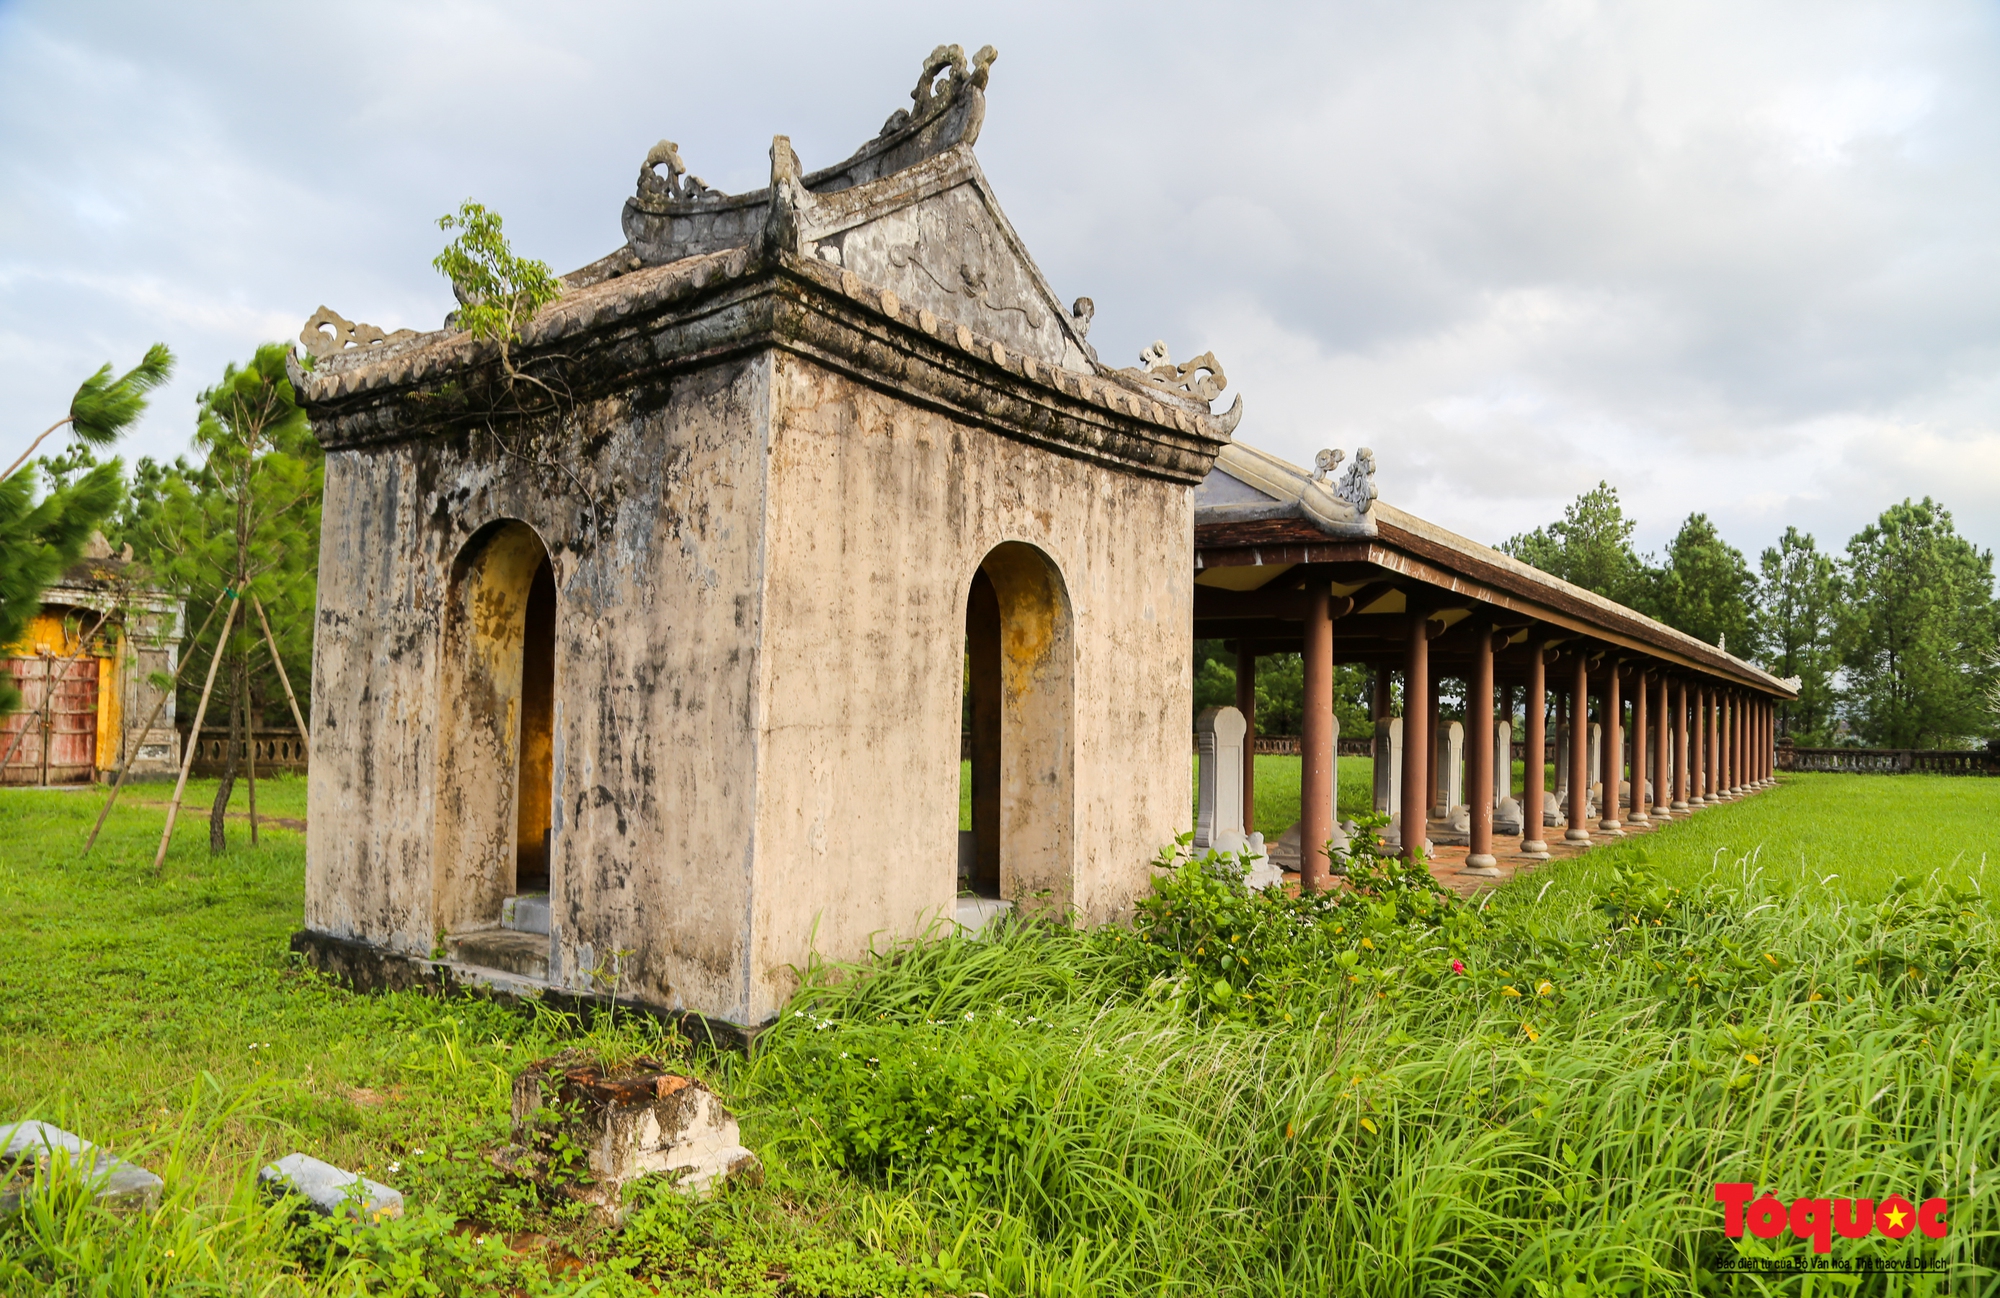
[526, 954]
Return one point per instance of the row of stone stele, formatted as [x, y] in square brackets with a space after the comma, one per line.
[632, 1122]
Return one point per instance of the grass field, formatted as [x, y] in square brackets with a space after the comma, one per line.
[1250, 1100]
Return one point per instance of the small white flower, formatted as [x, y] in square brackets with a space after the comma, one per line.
[418, 1154]
[395, 1168]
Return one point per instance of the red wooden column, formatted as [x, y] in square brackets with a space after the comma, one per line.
[1433, 775]
[1733, 751]
[1712, 741]
[1579, 751]
[1480, 755]
[1316, 740]
[1614, 749]
[1737, 747]
[1725, 781]
[1680, 802]
[1246, 703]
[1642, 689]
[1534, 780]
[1663, 793]
[1416, 808]
[1746, 778]
[1697, 753]
[1739, 710]
[1757, 742]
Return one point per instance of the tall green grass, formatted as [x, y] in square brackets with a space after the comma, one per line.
[1426, 1132]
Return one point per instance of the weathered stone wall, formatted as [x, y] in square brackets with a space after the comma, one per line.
[655, 655]
[880, 512]
[756, 734]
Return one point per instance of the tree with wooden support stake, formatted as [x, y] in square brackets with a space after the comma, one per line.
[166, 686]
[201, 710]
[246, 525]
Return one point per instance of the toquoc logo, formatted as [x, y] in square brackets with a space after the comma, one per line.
[1820, 1219]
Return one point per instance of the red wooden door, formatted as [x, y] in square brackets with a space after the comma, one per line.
[59, 713]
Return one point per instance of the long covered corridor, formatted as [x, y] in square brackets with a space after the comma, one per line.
[1637, 723]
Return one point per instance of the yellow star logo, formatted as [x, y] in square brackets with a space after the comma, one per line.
[1896, 1218]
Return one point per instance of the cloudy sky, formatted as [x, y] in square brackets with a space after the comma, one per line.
[1742, 259]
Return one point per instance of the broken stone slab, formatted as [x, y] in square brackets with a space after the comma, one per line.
[114, 1182]
[973, 914]
[327, 1189]
[526, 912]
[634, 1122]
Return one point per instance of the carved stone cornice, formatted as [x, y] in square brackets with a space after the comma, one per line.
[648, 324]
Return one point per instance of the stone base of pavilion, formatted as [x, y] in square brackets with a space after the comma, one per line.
[1448, 860]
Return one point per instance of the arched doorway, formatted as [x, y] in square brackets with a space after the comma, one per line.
[1019, 685]
[496, 731]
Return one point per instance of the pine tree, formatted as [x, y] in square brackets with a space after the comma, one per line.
[1706, 589]
[43, 533]
[1918, 629]
[1591, 547]
[1798, 592]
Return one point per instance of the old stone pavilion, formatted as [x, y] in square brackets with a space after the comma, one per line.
[643, 649]
[650, 646]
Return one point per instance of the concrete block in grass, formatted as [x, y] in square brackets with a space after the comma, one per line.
[327, 1189]
[114, 1183]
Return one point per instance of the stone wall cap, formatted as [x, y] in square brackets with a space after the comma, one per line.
[686, 289]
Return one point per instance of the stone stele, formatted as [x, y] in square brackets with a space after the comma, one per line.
[662, 611]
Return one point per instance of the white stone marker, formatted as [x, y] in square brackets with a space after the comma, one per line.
[114, 1182]
[1506, 808]
[1218, 821]
[1451, 764]
[327, 1189]
[1594, 785]
[1389, 778]
[1562, 768]
[1338, 837]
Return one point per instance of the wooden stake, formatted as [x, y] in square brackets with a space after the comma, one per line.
[249, 749]
[194, 735]
[131, 749]
[283, 679]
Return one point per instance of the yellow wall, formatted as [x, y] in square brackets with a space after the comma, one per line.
[56, 634]
[110, 704]
[46, 634]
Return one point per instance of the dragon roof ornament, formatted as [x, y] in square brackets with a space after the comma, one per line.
[946, 110]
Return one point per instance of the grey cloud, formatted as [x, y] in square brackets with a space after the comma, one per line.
[1735, 259]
